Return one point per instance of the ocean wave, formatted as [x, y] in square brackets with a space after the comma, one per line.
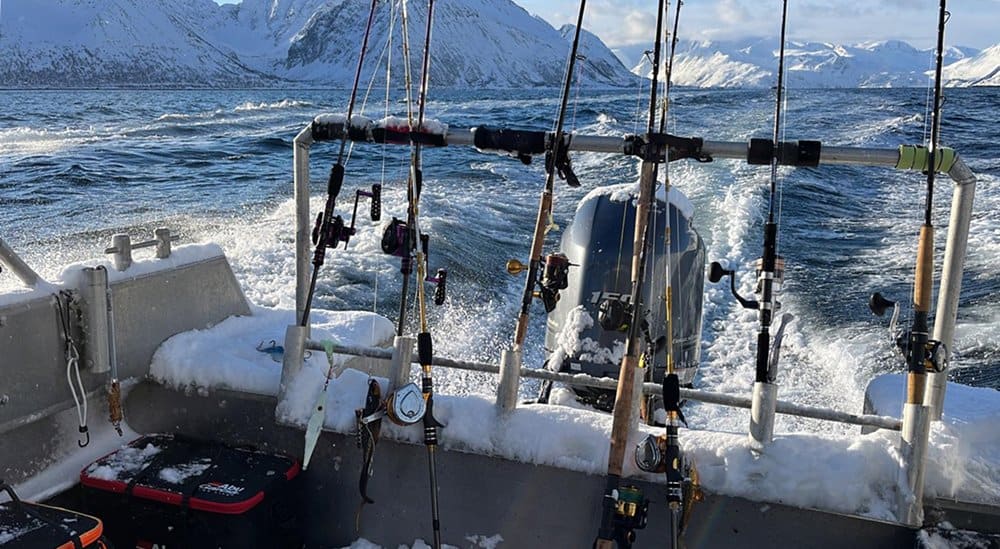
[283, 104]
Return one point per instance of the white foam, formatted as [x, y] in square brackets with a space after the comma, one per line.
[259, 106]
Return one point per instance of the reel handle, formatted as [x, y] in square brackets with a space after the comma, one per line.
[715, 274]
[440, 292]
[376, 206]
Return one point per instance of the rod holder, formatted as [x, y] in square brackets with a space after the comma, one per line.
[291, 361]
[762, 409]
[913, 449]
[510, 381]
[402, 358]
[96, 349]
[162, 239]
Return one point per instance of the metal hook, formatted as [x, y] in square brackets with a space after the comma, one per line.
[85, 442]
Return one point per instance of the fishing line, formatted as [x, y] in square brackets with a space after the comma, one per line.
[781, 183]
[639, 94]
[576, 98]
[387, 47]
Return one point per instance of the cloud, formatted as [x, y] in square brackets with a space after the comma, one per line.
[628, 22]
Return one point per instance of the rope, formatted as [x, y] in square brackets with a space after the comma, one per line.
[73, 366]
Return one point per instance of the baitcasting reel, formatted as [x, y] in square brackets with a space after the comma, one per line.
[935, 354]
[553, 278]
[614, 315]
[396, 239]
[406, 405]
[396, 242]
[335, 231]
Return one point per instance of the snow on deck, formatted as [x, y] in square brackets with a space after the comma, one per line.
[857, 474]
[965, 444]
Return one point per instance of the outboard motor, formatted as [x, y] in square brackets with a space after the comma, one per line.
[599, 245]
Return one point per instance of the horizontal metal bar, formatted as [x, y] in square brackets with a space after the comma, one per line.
[10, 259]
[583, 380]
[857, 156]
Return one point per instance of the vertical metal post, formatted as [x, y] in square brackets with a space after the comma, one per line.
[951, 278]
[291, 362]
[300, 168]
[96, 352]
[402, 358]
[510, 378]
[121, 250]
[913, 447]
[12, 261]
[764, 403]
[162, 237]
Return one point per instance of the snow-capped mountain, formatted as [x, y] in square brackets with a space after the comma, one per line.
[90, 42]
[980, 70]
[753, 63]
[491, 43]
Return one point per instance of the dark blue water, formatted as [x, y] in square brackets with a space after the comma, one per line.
[76, 167]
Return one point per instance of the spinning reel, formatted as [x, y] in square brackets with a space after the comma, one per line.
[631, 508]
[716, 272]
[935, 352]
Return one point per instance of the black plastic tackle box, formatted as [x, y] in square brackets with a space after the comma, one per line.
[168, 491]
[26, 525]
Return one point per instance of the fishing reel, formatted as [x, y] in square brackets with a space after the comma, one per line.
[333, 231]
[396, 242]
[553, 278]
[778, 279]
[396, 239]
[406, 405]
[936, 354]
[614, 315]
[631, 508]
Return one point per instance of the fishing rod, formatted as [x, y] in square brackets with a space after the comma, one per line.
[670, 67]
[329, 230]
[624, 507]
[662, 454]
[771, 266]
[408, 405]
[405, 405]
[920, 351]
[424, 345]
[557, 161]
[771, 274]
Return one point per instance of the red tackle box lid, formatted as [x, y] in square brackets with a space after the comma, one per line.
[181, 471]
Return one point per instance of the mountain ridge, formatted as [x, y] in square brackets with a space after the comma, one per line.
[271, 43]
[752, 63]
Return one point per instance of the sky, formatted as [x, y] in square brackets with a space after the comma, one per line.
[974, 23]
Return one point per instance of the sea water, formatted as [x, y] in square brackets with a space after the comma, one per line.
[79, 166]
